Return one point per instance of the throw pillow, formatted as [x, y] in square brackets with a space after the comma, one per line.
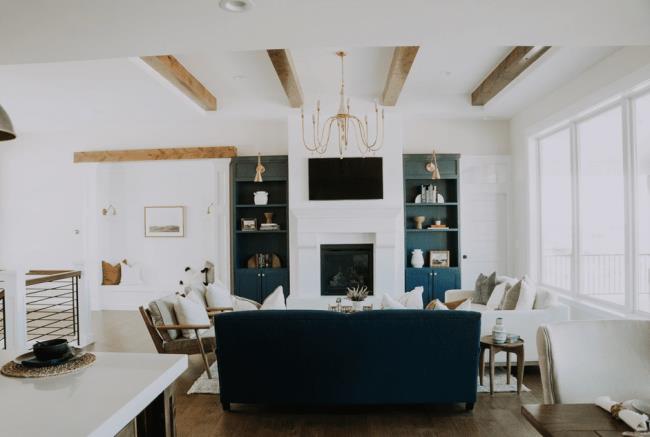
[243, 304]
[218, 296]
[162, 313]
[465, 305]
[189, 312]
[131, 274]
[111, 274]
[275, 300]
[412, 299]
[494, 302]
[390, 303]
[483, 287]
[436, 305]
[196, 296]
[526, 294]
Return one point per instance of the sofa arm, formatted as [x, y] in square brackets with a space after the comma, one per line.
[454, 295]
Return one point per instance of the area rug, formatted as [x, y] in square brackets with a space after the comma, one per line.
[500, 385]
[206, 385]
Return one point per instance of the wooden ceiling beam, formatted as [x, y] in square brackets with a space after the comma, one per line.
[156, 154]
[400, 66]
[171, 69]
[283, 64]
[518, 60]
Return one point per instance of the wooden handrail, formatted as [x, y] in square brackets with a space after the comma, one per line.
[50, 276]
[170, 327]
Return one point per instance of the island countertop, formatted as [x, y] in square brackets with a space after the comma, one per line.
[96, 401]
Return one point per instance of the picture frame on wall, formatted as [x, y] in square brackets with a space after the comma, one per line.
[249, 224]
[164, 221]
[438, 258]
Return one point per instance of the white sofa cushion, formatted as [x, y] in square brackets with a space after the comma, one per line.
[131, 274]
[243, 304]
[275, 300]
[544, 299]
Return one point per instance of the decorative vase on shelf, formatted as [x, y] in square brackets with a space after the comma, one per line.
[418, 221]
[499, 332]
[268, 218]
[417, 259]
[260, 197]
[357, 305]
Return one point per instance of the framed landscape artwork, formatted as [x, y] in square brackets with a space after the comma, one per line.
[164, 221]
[438, 258]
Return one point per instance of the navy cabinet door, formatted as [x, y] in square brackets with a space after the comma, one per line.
[247, 284]
[443, 280]
[273, 278]
[419, 278]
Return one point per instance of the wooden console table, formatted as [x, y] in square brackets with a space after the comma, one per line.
[105, 399]
[572, 420]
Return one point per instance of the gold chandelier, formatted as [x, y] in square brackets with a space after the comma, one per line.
[344, 123]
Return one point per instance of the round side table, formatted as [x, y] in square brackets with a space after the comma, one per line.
[517, 348]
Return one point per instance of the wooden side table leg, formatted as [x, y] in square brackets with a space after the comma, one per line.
[492, 353]
[481, 364]
[508, 367]
[520, 368]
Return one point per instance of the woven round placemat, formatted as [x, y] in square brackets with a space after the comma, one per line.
[19, 371]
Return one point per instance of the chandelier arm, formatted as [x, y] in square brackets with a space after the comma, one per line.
[327, 128]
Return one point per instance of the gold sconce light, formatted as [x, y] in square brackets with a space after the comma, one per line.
[259, 169]
[432, 166]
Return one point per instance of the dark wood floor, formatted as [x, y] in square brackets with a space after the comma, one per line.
[201, 415]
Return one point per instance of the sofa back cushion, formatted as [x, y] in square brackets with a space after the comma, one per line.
[544, 299]
[324, 357]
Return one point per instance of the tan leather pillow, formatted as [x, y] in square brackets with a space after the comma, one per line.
[111, 274]
[450, 305]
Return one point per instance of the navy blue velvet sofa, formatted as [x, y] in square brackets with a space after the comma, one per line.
[298, 357]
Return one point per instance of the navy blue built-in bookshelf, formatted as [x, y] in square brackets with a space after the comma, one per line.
[257, 283]
[435, 280]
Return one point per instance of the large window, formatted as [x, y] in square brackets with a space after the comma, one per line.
[601, 206]
[556, 216]
[594, 205]
[642, 141]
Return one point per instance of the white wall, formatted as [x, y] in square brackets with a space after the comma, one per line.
[42, 191]
[467, 137]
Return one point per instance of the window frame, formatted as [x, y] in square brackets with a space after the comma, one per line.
[630, 198]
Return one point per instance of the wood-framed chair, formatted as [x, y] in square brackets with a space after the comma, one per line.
[181, 345]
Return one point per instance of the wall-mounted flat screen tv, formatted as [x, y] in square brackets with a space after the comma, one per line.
[345, 179]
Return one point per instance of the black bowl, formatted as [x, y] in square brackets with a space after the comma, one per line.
[51, 349]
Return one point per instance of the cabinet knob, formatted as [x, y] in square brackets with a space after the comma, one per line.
[464, 256]
[258, 275]
[263, 274]
[435, 274]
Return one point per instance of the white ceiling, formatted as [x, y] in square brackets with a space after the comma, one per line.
[63, 30]
[74, 63]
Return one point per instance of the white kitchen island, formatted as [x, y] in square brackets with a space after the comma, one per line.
[100, 400]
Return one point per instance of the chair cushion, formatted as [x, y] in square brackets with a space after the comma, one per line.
[190, 346]
[162, 313]
[243, 304]
[190, 312]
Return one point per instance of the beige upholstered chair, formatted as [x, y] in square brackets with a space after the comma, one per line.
[165, 331]
[581, 360]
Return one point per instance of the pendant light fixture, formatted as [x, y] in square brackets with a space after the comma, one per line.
[7, 131]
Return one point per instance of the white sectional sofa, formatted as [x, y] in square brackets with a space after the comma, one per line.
[524, 323]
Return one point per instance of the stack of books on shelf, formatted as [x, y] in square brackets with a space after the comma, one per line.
[269, 227]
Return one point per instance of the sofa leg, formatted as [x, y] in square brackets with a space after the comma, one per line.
[469, 406]
[225, 406]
